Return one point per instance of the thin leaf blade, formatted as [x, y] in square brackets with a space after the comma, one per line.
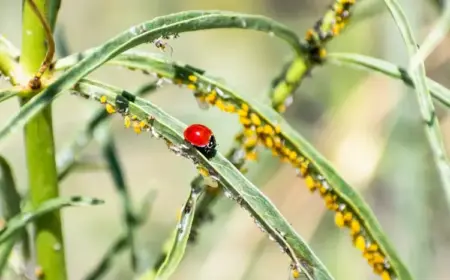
[20, 221]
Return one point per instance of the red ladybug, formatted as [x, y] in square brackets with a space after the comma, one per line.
[202, 138]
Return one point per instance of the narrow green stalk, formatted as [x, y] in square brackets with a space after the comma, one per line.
[40, 153]
[434, 38]
[8, 67]
[427, 111]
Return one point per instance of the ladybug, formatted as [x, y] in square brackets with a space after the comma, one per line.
[202, 138]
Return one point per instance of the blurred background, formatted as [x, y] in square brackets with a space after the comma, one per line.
[366, 124]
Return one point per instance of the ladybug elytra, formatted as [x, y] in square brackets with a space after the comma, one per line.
[202, 138]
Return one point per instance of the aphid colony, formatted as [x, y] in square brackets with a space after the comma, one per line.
[258, 131]
[121, 106]
[326, 28]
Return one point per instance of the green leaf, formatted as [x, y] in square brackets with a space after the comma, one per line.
[438, 91]
[8, 47]
[180, 239]
[116, 171]
[143, 33]
[10, 203]
[437, 34]
[10, 198]
[6, 94]
[20, 221]
[9, 56]
[430, 120]
[236, 186]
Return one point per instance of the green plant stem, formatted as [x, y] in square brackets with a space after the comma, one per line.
[40, 153]
[8, 67]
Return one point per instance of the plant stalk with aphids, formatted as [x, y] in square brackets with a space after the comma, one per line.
[37, 79]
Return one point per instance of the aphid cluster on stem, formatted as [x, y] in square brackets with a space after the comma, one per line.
[121, 106]
[257, 131]
[330, 25]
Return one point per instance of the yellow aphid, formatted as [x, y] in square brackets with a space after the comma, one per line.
[268, 142]
[191, 86]
[292, 155]
[142, 124]
[373, 247]
[250, 142]
[242, 113]
[229, 108]
[348, 216]
[331, 205]
[249, 132]
[360, 243]
[103, 99]
[355, 227]
[255, 119]
[378, 258]
[219, 104]
[368, 256]
[137, 129]
[259, 129]
[277, 129]
[268, 129]
[329, 200]
[286, 151]
[378, 268]
[203, 171]
[251, 156]
[295, 273]
[339, 219]
[110, 109]
[284, 160]
[302, 171]
[385, 275]
[244, 121]
[338, 9]
[193, 78]
[277, 142]
[323, 190]
[245, 107]
[211, 97]
[127, 121]
[310, 183]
